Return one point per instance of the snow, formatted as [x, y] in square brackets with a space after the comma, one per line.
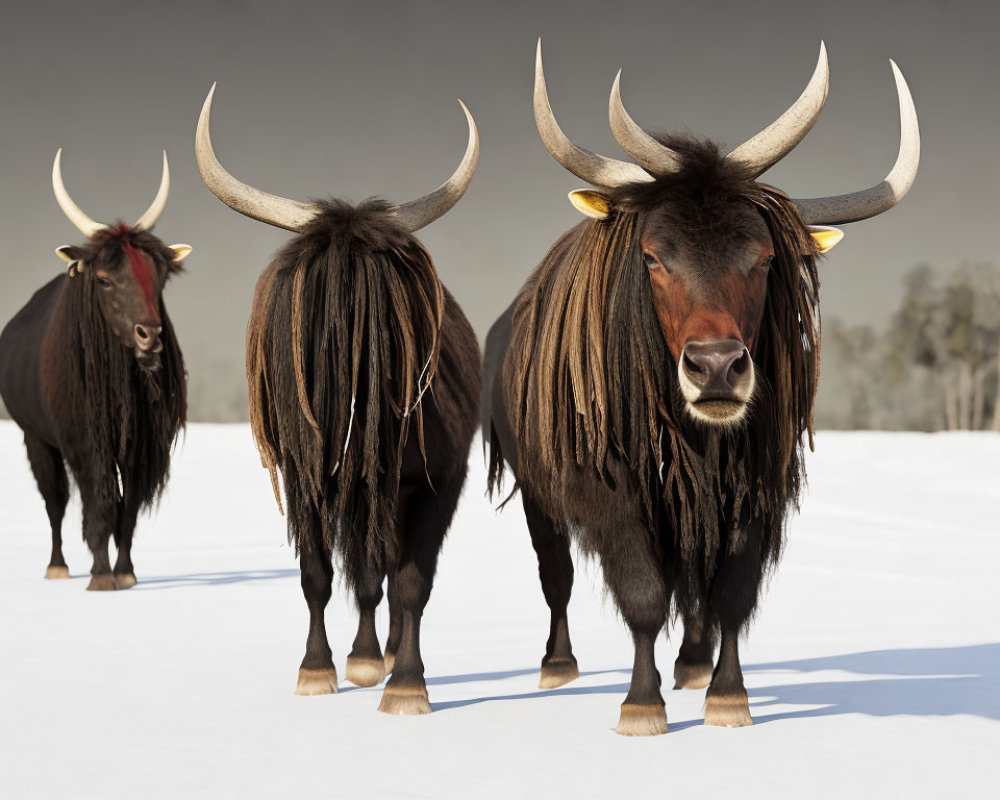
[873, 669]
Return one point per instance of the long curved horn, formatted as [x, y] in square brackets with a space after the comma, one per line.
[84, 224]
[270, 208]
[148, 220]
[423, 211]
[591, 167]
[648, 153]
[883, 196]
[779, 138]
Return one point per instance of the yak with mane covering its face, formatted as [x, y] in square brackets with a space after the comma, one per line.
[91, 370]
[364, 381]
[651, 385]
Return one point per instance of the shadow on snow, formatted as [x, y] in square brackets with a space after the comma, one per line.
[910, 682]
[212, 578]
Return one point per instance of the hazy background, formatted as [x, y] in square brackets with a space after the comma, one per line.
[358, 99]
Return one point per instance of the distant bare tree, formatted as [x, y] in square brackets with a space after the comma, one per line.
[937, 365]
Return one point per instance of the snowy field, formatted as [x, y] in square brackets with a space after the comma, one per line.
[873, 669]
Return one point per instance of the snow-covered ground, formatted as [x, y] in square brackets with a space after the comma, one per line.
[873, 669]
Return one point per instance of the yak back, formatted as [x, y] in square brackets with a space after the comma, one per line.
[363, 373]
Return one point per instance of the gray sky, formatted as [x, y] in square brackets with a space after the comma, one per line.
[358, 99]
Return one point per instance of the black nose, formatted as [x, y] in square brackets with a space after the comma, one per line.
[718, 369]
[147, 337]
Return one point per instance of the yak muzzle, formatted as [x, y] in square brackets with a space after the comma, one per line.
[147, 337]
[717, 380]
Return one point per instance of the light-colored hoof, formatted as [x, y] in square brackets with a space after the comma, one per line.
[363, 671]
[405, 702]
[692, 676]
[642, 720]
[728, 711]
[56, 573]
[314, 682]
[390, 662]
[102, 583]
[558, 672]
[125, 580]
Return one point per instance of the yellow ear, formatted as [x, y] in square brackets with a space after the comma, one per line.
[825, 237]
[63, 253]
[181, 251]
[590, 203]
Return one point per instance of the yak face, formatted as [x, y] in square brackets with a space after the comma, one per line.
[709, 286]
[127, 269]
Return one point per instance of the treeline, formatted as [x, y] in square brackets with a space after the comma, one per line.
[935, 366]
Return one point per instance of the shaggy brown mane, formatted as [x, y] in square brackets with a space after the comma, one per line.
[342, 343]
[133, 414]
[591, 384]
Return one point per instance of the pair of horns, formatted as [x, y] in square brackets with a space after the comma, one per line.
[89, 227]
[292, 215]
[755, 156]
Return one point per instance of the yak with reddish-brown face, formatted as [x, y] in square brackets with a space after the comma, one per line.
[651, 385]
[91, 371]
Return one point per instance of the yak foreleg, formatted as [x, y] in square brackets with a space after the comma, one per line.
[128, 511]
[733, 597]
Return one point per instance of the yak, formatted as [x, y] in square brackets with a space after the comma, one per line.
[364, 383]
[91, 371]
[651, 385]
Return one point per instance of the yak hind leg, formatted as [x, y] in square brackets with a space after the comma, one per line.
[555, 571]
[696, 659]
[365, 664]
[427, 517]
[50, 474]
[317, 674]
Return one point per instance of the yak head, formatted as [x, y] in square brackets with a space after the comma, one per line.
[715, 243]
[127, 267]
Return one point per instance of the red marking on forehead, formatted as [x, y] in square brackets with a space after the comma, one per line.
[139, 262]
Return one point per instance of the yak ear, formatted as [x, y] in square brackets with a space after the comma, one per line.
[590, 203]
[181, 251]
[66, 253]
[824, 237]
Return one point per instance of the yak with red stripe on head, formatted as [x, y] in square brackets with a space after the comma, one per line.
[91, 371]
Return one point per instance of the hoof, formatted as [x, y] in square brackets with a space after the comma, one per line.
[102, 583]
[125, 580]
[558, 672]
[728, 710]
[405, 702]
[692, 676]
[55, 573]
[390, 662]
[362, 671]
[316, 681]
[642, 720]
